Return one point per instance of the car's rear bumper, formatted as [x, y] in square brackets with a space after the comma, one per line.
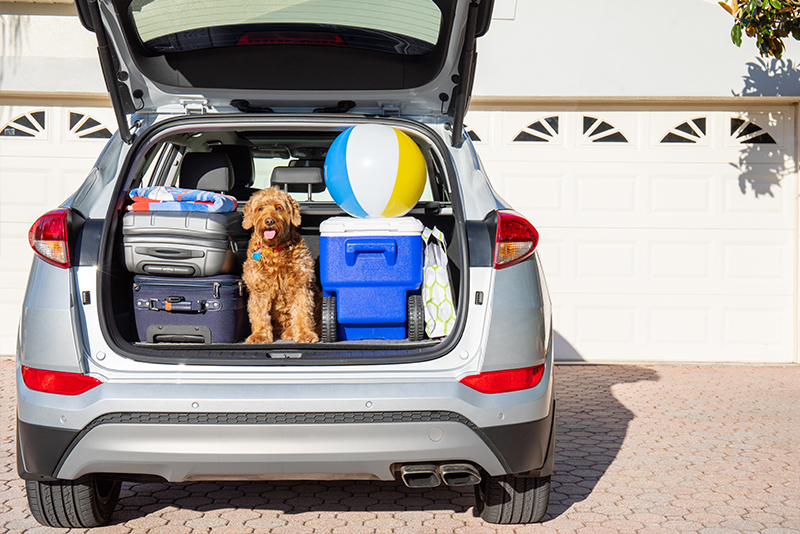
[366, 445]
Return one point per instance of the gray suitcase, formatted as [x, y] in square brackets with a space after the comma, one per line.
[183, 243]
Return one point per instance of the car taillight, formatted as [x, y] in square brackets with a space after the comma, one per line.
[515, 241]
[48, 237]
[506, 380]
[58, 382]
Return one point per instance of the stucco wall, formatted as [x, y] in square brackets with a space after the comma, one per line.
[48, 54]
[618, 48]
[534, 48]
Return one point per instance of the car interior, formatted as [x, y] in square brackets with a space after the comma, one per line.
[292, 161]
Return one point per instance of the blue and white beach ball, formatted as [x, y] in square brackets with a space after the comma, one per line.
[373, 170]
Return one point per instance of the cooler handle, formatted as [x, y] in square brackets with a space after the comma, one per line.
[353, 248]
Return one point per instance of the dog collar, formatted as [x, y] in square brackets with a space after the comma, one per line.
[257, 253]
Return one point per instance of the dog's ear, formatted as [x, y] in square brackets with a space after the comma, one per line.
[294, 210]
[247, 222]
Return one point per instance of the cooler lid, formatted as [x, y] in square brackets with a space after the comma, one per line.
[349, 226]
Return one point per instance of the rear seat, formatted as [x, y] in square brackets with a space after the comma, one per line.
[208, 171]
[243, 170]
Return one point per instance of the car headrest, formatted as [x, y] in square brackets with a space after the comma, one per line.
[242, 162]
[208, 171]
[298, 179]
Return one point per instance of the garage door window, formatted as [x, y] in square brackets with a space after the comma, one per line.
[541, 131]
[85, 127]
[28, 125]
[750, 133]
[690, 131]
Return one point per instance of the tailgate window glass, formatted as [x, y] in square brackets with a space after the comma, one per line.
[408, 27]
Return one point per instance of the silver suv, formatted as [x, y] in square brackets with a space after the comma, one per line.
[271, 84]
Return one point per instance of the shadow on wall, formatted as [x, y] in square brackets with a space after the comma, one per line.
[563, 351]
[763, 160]
[12, 28]
[771, 77]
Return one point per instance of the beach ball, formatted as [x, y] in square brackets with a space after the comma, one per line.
[374, 170]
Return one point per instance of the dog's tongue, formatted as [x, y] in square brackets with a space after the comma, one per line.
[269, 234]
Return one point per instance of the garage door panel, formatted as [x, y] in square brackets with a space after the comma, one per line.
[46, 152]
[27, 191]
[659, 261]
[681, 195]
[606, 193]
[683, 328]
[683, 199]
[677, 244]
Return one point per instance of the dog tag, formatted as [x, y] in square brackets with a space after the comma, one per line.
[257, 255]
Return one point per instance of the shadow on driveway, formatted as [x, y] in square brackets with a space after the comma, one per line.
[591, 427]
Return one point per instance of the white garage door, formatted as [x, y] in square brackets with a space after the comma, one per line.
[45, 154]
[666, 235]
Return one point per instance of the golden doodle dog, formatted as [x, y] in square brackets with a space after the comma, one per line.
[279, 271]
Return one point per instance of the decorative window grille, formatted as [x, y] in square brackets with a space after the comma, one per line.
[690, 132]
[29, 125]
[85, 127]
[599, 131]
[747, 132]
[541, 131]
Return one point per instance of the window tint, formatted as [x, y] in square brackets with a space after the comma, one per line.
[402, 26]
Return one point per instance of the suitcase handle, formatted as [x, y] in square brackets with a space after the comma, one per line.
[160, 333]
[177, 305]
[169, 253]
[353, 248]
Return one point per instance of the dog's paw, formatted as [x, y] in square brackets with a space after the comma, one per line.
[259, 337]
[305, 337]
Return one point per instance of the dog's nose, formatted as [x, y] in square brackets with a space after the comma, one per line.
[269, 222]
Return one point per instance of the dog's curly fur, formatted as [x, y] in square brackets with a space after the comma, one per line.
[281, 283]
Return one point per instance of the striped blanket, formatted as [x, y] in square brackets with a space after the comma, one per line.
[170, 198]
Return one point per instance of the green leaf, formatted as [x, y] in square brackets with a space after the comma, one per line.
[736, 34]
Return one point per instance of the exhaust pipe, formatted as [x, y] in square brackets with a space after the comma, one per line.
[459, 474]
[420, 476]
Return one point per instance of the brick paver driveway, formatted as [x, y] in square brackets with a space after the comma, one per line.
[640, 449]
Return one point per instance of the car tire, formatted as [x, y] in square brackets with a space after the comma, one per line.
[83, 503]
[510, 500]
[328, 319]
[416, 318]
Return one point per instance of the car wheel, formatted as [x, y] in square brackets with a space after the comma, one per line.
[510, 500]
[83, 503]
[416, 318]
[328, 319]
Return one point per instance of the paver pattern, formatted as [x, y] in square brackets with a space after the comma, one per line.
[640, 449]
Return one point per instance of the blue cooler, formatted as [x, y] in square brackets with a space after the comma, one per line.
[370, 266]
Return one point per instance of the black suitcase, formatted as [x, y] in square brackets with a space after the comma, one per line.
[206, 310]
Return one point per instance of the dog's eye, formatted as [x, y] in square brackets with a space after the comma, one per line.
[260, 209]
[278, 208]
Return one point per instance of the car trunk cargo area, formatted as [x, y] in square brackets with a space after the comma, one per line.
[155, 259]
